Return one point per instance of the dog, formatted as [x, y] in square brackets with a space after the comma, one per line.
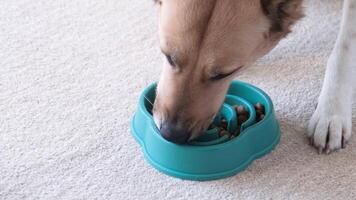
[206, 42]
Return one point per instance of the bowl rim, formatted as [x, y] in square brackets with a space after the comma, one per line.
[148, 116]
[206, 176]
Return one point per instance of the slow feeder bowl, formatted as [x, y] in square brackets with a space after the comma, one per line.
[210, 156]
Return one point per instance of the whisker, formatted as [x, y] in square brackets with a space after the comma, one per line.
[192, 125]
[148, 100]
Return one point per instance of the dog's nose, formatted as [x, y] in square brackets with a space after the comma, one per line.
[174, 133]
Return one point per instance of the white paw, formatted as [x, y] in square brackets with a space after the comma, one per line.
[330, 126]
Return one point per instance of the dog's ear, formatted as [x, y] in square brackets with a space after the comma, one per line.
[282, 14]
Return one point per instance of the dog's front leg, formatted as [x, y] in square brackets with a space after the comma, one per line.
[330, 126]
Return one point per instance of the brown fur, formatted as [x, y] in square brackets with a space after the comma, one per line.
[282, 14]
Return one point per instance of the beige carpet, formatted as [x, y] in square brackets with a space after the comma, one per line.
[70, 76]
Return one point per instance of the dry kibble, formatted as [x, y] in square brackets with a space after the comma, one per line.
[223, 128]
[241, 119]
[223, 132]
[259, 112]
[241, 110]
[260, 107]
[224, 124]
[242, 116]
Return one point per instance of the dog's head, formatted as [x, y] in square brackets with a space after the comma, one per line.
[205, 43]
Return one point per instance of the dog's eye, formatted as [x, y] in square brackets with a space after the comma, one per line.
[217, 77]
[170, 60]
[220, 76]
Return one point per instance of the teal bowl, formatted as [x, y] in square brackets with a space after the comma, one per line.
[210, 156]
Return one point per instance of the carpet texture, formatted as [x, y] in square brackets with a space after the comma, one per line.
[70, 76]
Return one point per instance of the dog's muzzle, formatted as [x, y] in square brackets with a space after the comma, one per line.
[174, 132]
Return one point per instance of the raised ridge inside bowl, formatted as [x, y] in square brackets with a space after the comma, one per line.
[227, 112]
[211, 159]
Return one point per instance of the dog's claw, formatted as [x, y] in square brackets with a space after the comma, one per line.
[327, 149]
[311, 141]
[320, 150]
[343, 143]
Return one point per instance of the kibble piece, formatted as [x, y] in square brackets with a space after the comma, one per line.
[223, 132]
[259, 112]
[241, 119]
[260, 107]
[241, 110]
[223, 124]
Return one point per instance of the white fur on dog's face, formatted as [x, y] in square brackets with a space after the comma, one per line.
[205, 44]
